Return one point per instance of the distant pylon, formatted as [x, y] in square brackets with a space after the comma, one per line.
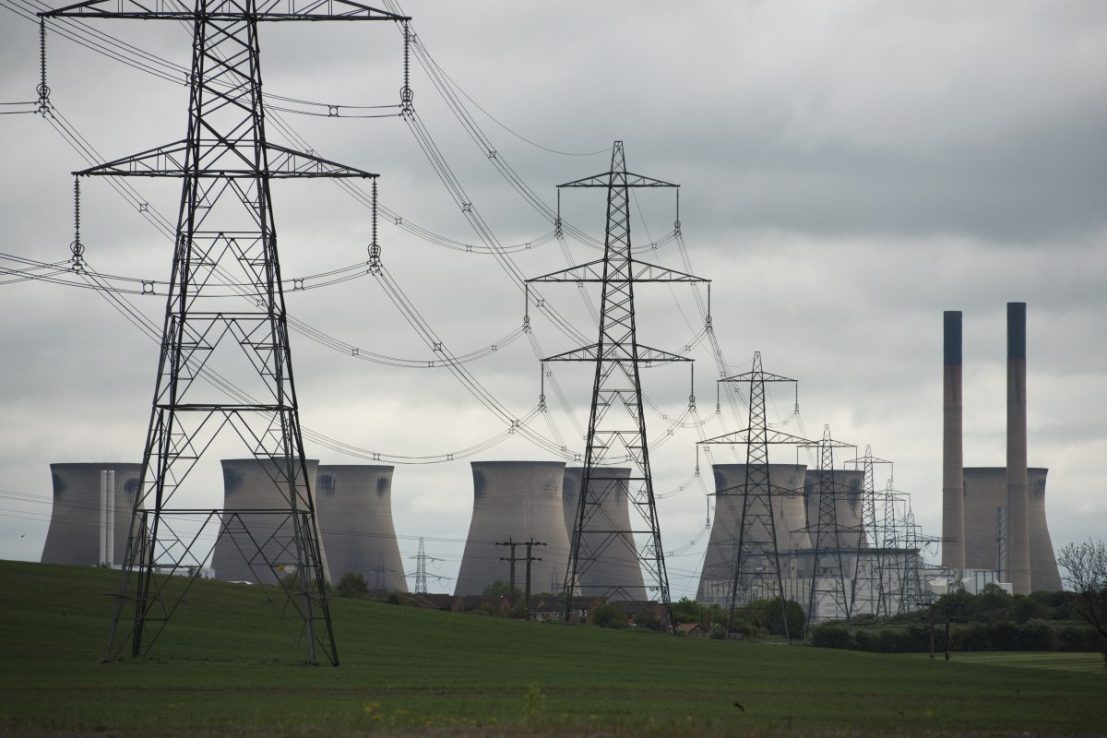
[225, 247]
[421, 569]
[421, 574]
[756, 572]
[829, 565]
[867, 592]
[617, 423]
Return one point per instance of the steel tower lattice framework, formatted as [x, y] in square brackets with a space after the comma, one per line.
[616, 423]
[225, 237]
[421, 569]
[828, 561]
[757, 548]
[869, 566]
[900, 558]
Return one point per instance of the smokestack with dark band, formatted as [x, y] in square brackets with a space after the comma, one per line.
[1018, 533]
[953, 485]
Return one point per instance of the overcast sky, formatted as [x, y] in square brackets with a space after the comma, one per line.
[849, 170]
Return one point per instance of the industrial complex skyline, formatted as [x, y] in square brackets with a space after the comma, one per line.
[845, 178]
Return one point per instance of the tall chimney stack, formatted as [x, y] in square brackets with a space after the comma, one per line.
[953, 479]
[1018, 532]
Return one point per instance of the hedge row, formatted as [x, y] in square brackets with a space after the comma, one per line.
[1033, 635]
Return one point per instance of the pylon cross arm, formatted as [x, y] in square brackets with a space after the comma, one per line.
[744, 436]
[169, 161]
[618, 352]
[756, 377]
[590, 272]
[616, 179]
[263, 10]
[644, 272]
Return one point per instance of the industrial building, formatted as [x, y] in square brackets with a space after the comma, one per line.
[353, 507]
[257, 537]
[985, 503]
[994, 518]
[615, 573]
[515, 501]
[91, 515]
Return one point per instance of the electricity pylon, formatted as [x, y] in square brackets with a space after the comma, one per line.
[755, 572]
[869, 576]
[225, 243]
[616, 423]
[421, 569]
[829, 565]
[421, 574]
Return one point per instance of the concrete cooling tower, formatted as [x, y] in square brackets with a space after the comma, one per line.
[848, 507]
[789, 518]
[985, 525]
[516, 500]
[91, 518]
[251, 539]
[616, 572]
[353, 504]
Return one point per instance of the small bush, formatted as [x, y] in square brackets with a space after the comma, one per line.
[831, 636]
[1035, 635]
[608, 615]
[647, 619]
[352, 585]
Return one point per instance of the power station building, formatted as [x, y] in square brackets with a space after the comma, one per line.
[615, 573]
[985, 504]
[257, 535]
[91, 515]
[353, 506]
[993, 518]
[515, 501]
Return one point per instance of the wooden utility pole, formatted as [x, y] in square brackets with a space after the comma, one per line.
[530, 545]
[511, 544]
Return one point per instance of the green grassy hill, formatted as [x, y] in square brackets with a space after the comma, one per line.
[229, 666]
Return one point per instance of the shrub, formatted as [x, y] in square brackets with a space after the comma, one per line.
[1076, 638]
[831, 636]
[686, 611]
[647, 619]
[1035, 635]
[608, 615]
[771, 615]
[352, 585]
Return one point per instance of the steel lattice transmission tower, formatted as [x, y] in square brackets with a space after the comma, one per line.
[225, 244]
[829, 565]
[756, 573]
[616, 423]
[421, 574]
[421, 569]
[869, 592]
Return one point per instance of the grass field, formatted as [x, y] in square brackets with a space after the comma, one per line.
[1087, 663]
[227, 667]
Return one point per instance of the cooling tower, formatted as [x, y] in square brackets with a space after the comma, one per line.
[353, 504]
[88, 527]
[263, 533]
[986, 529]
[516, 500]
[616, 572]
[848, 507]
[1018, 531]
[1044, 574]
[717, 574]
[953, 486]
